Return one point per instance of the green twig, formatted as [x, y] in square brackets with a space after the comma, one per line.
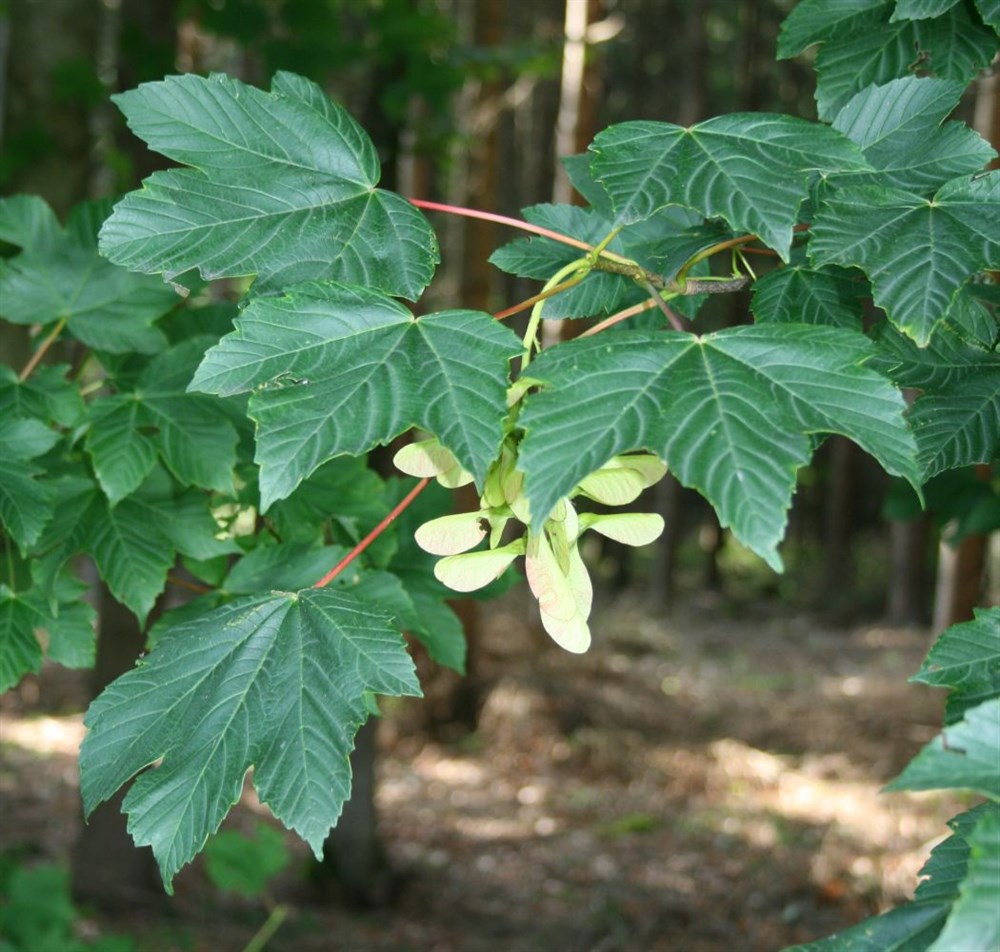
[579, 269]
[263, 935]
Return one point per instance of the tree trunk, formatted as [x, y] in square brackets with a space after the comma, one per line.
[838, 522]
[353, 852]
[51, 85]
[663, 572]
[907, 602]
[107, 868]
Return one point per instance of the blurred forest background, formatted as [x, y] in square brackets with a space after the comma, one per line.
[471, 102]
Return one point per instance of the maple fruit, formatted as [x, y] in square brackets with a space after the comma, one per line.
[232, 438]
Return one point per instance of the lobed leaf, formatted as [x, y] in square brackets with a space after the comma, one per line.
[918, 252]
[974, 922]
[337, 369]
[965, 755]
[189, 432]
[280, 682]
[798, 294]
[730, 413]
[25, 499]
[966, 658]
[661, 244]
[952, 46]
[753, 170]
[60, 276]
[901, 130]
[956, 418]
[820, 21]
[282, 186]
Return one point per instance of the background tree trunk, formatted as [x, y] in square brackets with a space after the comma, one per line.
[107, 868]
[51, 90]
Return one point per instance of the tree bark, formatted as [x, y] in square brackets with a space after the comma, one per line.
[838, 527]
[907, 600]
[107, 868]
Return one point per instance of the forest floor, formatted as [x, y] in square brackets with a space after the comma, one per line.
[707, 782]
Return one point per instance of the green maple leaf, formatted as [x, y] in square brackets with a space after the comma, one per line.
[819, 21]
[956, 418]
[278, 682]
[989, 10]
[921, 9]
[60, 276]
[337, 369]
[158, 419]
[864, 46]
[20, 651]
[730, 413]
[899, 129]
[798, 294]
[134, 543]
[966, 658]
[974, 922]
[63, 614]
[917, 251]
[915, 925]
[282, 186]
[25, 500]
[46, 395]
[966, 754]
[753, 170]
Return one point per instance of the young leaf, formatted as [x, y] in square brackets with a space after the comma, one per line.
[729, 412]
[917, 252]
[899, 129]
[282, 186]
[338, 369]
[60, 276]
[279, 682]
[751, 169]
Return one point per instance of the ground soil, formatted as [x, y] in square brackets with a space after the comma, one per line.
[704, 782]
